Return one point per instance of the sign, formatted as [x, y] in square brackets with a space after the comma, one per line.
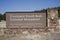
[25, 20]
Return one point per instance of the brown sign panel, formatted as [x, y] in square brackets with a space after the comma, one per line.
[25, 20]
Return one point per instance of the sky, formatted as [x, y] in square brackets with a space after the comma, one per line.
[26, 5]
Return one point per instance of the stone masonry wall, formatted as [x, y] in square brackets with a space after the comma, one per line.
[52, 19]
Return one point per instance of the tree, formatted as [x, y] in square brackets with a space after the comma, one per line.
[4, 17]
[39, 11]
[59, 12]
[1, 17]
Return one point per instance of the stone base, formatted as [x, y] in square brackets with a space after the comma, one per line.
[14, 32]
